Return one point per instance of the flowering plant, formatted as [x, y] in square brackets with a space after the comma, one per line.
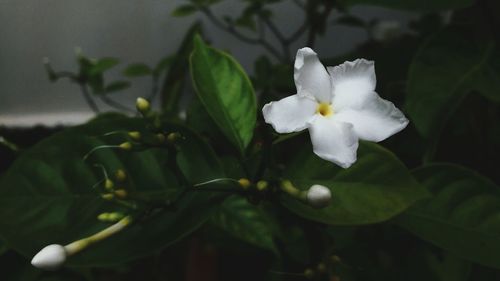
[212, 176]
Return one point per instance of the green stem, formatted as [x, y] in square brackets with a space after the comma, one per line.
[287, 187]
[80, 245]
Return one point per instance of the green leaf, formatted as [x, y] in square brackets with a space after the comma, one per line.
[173, 83]
[226, 92]
[444, 70]
[117, 86]
[413, 5]
[102, 65]
[137, 69]
[462, 215]
[376, 188]
[184, 10]
[246, 222]
[47, 196]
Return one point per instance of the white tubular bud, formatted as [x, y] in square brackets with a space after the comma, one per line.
[319, 196]
[50, 258]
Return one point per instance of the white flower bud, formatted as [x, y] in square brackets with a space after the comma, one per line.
[319, 196]
[50, 258]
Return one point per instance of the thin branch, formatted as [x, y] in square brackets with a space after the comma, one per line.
[274, 29]
[230, 29]
[299, 4]
[66, 74]
[296, 35]
[115, 104]
[154, 88]
[317, 19]
[88, 98]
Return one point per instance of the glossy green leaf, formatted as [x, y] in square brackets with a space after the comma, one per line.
[462, 216]
[137, 69]
[47, 196]
[246, 222]
[413, 5]
[446, 68]
[184, 10]
[226, 92]
[376, 188]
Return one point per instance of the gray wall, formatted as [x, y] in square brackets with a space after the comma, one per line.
[132, 30]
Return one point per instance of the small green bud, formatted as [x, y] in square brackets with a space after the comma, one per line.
[134, 135]
[245, 183]
[120, 175]
[321, 267]
[335, 259]
[103, 217]
[108, 196]
[126, 146]
[309, 273]
[262, 185]
[121, 193]
[160, 137]
[143, 105]
[108, 184]
[173, 137]
[115, 217]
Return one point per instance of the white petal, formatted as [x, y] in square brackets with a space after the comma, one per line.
[352, 81]
[333, 141]
[290, 114]
[375, 119]
[50, 258]
[311, 77]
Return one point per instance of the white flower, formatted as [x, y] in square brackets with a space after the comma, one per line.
[319, 196]
[338, 106]
[50, 258]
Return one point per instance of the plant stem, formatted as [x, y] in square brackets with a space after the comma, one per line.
[89, 99]
[80, 245]
[115, 104]
[232, 30]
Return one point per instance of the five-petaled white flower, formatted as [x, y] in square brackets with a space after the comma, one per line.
[338, 106]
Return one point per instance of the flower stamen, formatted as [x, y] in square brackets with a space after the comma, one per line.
[324, 109]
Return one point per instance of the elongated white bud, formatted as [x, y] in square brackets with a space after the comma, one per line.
[50, 258]
[319, 196]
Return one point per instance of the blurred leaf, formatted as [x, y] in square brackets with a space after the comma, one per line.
[376, 188]
[173, 83]
[117, 86]
[247, 22]
[102, 65]
[462, 215]
[446, 68]
[194, 148]
[137, 69]
[413, 5]
[226, 92]
[184, 10]
[246, 222]
[351, 20]
[450, 267]
[163, 64]
[47, 195]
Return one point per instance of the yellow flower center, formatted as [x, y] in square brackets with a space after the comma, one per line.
[324, 109]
